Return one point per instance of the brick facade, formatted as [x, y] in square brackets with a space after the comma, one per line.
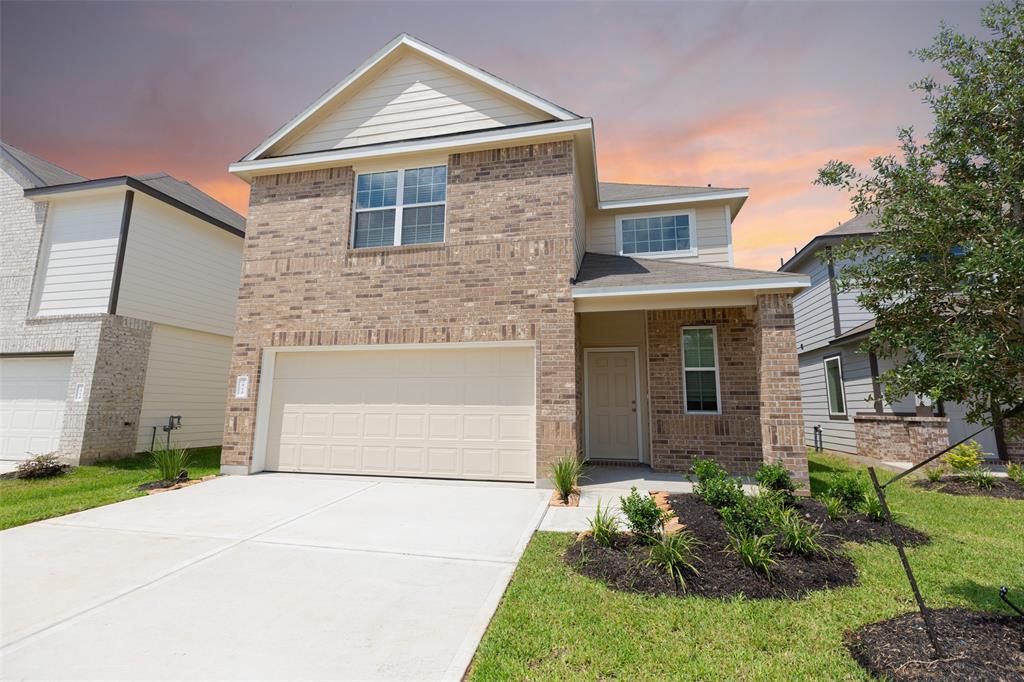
[503, 273]
[109, 352]
[898, 438]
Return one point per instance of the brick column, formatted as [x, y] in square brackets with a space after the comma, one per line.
[778, 374]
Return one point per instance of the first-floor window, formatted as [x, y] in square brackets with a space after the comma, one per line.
[700, 370]
[834, 386]
[400, 207]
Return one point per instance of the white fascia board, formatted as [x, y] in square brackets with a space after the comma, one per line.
[334, 156]
[428, 50]
[801, 282]
[681, 199]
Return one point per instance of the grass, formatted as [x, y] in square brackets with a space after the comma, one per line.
[555, 624]
[85, 487]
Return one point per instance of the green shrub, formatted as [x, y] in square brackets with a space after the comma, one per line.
[704, 469]
[674, 553]
[871, 507]
[965, 457]
[757, 552]
[643, 516]
[775, 477]
[751, 515]
[935, 473]
[834, 508]
[172, 463]
[41, 466]
[1015, 472]
[849, 487]
[981, 478]
[720, 491]
[799, 535]
[566, 474]
[604, 526]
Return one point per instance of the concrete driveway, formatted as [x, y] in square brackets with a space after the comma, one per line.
[268, 577]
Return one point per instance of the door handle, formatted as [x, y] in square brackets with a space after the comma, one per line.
[633, 405]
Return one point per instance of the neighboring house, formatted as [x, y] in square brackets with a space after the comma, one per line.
[436, 284]
[843, 409]
[118, 305]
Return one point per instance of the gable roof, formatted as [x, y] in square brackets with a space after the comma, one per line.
[162, 187]
[402, 43]
[600, 272]
[861, 225]
[39, 172]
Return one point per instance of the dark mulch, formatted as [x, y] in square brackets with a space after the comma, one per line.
[1005, 488]
[858, 527]
[166, 483]
[976, 646]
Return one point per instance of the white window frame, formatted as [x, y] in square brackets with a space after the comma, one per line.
[692, 251]
[842, 386]
[399, 207]
[685, 369]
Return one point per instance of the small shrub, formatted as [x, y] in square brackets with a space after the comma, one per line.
[935, 473]
[1015, 472]
[720, 492]
[775, 477]
[172, 463]
[981, 478]
[604, 526]
[965, 457]
[752, 515]
[757, 552]
[643, 516]
[704, 469]
[834, 508]
[41, 466]
[871, 506]
[799, 535]
[674, 553]
[849, 487]
[566, 474]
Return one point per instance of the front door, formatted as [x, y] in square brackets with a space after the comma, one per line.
[611, 404]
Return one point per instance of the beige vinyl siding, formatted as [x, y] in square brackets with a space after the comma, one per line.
[179, 270]
[812, 307]
[79, 250]
[579, 236]
[712, 233]
[187, 375]
[415, 97]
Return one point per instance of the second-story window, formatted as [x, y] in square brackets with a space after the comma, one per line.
[399, 207]
[656, 234]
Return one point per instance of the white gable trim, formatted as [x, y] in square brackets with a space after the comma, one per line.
[429, 51]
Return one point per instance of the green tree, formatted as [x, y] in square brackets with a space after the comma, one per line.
[944, 276]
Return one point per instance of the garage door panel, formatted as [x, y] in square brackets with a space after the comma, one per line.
[452, 413]
[33, 395]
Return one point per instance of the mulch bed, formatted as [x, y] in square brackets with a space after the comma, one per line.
[166, 483]
[1005, 488]
[721, 574]
[976, 646]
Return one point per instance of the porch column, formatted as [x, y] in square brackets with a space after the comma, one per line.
[778, 375]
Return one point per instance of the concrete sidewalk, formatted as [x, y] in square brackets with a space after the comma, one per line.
[267, 577]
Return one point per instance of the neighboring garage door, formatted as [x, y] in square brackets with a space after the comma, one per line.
[33, 392]
[445, 413]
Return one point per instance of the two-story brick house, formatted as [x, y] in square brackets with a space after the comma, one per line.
[435, 283]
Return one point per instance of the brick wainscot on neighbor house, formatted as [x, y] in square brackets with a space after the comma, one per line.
[435, 283]
[118, 301]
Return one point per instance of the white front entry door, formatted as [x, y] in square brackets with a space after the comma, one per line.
[611, 404]
[33, 392]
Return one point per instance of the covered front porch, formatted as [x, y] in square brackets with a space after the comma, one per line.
[680, 360]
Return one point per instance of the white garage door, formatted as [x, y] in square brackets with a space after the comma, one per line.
[33, 392]
[445, 413]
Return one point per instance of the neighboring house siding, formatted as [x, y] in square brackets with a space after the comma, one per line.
[579, 237]
[186, 375]
[79, 254]
[179, 270]
[415, 97]
[813, 308]
[851, 313]
[837, 433]
[712, 233]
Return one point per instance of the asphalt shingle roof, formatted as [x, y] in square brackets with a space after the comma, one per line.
[189, 195]
[601, 270]
[621, 191]
[40, 172]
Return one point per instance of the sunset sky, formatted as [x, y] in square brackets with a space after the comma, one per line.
[733, 94]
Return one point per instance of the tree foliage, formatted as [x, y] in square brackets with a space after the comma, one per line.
[944, 276]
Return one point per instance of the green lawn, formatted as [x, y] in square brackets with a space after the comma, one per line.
[556, 624]
[24, 501]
